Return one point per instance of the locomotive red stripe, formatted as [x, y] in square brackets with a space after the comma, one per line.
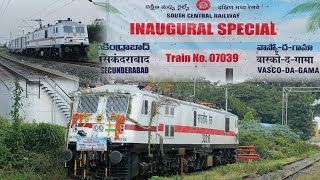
[50, 38]
[45, 39]
[181, 129]
[177, 129]
[138, 128]
[198, 130]
[88, 125]
[160, 128]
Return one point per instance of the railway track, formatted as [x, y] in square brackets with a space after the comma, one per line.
[66, 61]
[89, 64]
[87, 72]
[307, 165]
[28, 71]
[289, 170]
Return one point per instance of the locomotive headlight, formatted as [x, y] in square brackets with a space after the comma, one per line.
[115, 157]
[67, 155]
[66, 49]
[122, 126]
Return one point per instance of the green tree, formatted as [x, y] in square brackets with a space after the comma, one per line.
[96, 33]
[299, 116]
[310, 7]
[248, 117]
[16, 119]
[4, 123]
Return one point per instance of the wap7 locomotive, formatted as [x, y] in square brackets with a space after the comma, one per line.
[126, 131]
[65, 39]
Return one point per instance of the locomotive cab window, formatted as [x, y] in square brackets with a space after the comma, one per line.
[144, 110]
[88, 104]
[80, 29]
[117, 104]
[68, 29]
[46, 34]
[227, 125]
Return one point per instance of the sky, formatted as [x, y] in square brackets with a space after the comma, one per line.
[13, 12]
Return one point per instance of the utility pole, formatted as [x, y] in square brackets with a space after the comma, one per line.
[194, 88]
[226, 95]
[194, 85]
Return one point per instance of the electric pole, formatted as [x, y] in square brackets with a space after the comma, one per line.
[226, 96]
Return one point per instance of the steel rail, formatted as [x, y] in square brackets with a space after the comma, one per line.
[38, 69]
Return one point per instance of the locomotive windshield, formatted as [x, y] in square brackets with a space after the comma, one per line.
[68, 29]
[79, 29]
[88, 104]
[117, 104]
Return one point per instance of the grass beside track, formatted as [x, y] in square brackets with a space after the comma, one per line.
[93, 54]
[238, 170]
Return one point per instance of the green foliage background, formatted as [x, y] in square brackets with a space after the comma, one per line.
[96, 33]
[276, 142]
[262, 99]
[40, 154]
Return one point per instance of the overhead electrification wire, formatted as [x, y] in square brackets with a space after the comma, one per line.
[40, 12]
[44, 8]
[27, 23]
[58, 8]
[2, 4]
[6, 7]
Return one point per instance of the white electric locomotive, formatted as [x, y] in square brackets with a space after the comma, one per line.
[126, 131]
[65, 39]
